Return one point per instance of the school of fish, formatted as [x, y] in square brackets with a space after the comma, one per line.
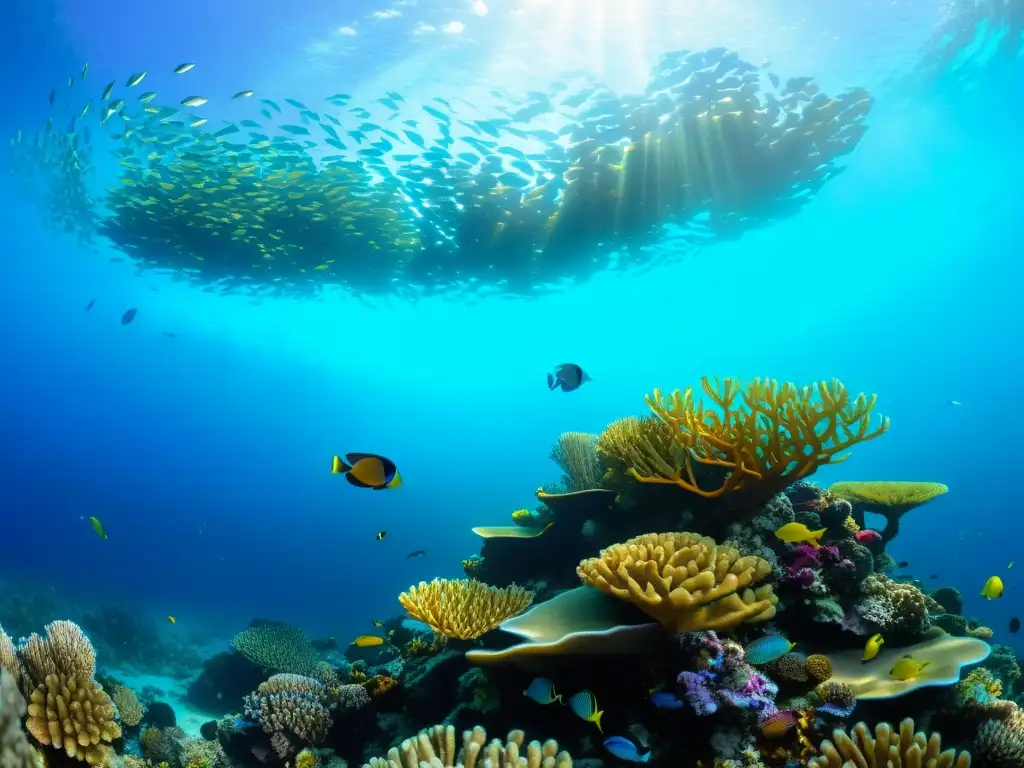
[395, 198]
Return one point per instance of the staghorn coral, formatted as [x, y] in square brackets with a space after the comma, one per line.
[778, 434]
[685, 581]
[278, 647]
[819, 668]
[575, 453]
[129, 708]
[888, 747]
[435, 748]
[892, 606]
[891, 499]
[464, 609]
[15, 751]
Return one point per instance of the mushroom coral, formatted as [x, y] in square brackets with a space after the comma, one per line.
[463, 609]
[891, 499]
[888, 747]
[685, 581]
[776, 435]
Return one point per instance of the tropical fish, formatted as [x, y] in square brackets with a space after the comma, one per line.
[90, 305]
[907, 669]
[368, 641]
[666, 700]
[85, 70]
[584, 706]
[542, 691]
[243, 94]
[993, 588]
[85, 109]
[797, 533]
[367, 470]
[183, 68]
[1011, 564]
[777, 725]
[624, 749]
[108, 90]
[378, 623]
[1014, 625]
[135, 79]
[381, 535]
[197, 123]
[416, 553]
[568, 376]
[128, 316]
[98, 527]
[193, 101]
[872, 647]
[172, 620]
[767, 649]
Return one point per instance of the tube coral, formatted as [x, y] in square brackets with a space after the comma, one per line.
[464, 609]
[684, 581]
[777, 435]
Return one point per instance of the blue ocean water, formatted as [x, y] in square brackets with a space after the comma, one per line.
[207, 454]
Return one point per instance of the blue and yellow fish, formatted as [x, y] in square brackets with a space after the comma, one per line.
[584, 706]
[767, 649]
[542, 691]
[367, 470]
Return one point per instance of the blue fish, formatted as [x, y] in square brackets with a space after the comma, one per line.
[767, 649]
[624, 749]
[666, 700]
[568, 376]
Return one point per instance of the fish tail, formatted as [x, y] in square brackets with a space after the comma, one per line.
[818, 534]
[558, 698]
[597, 720]
[339, 467]
[551, 381]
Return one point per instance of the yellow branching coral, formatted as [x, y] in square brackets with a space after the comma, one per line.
[777, 434]
[435, 747]
[575, 453]
[645, 444]
[891, 499]
[685, 581]
[888, 747]
[464, 609]
[128, 706]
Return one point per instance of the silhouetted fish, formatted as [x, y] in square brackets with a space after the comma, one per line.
[128, 316]
[1014, 625]
[416, 553]
[90, 305]
[170, 335]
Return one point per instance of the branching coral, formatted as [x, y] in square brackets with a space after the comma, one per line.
[576, 455]
[435, 747]
[278, 647]
[291, 709]
[685, 581]
[15, 751]
[777, 435]
[888, 747]
[891, 499]
[464, 609]
[129, 708]
[642, 443]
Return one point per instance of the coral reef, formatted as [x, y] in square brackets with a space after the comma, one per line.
[888, 747]
[463, 609]
[685, 581]
[435, 747]
[129, 709]
[294, 710]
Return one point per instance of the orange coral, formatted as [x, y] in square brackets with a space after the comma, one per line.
[776, 435]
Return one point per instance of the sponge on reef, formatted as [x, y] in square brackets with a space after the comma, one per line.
[435, 748]
[767, 435]
[464, 609]
[891, 499]
[888, 747]
[684, 581]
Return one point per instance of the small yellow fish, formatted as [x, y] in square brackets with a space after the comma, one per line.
[98, 527]
[172, 620]
[243, 94]
[136, 79]
[872, 647]
[993, 588]
[907, 669]
[193, 101]
[798, 533]
[183, 68]
[378, 623]
[368, 641]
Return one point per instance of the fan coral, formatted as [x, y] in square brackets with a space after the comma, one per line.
[819, 668]
[289, 708]
[685, 581]
[278, 647]
[15, 751]
[464, 609]
[576, 455]
[891, 499]
[435, 747]
[835, 699]
[129, 708]
[887, 747]
[892, 606]
[778, 435]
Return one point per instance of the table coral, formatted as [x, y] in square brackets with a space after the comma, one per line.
[684, 581]
[777, 434]
[888, 747]
[435, 747]
[464, 609]
[891, 499]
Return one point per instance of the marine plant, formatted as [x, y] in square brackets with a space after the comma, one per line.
[684, 581]
[464, 609]
[764, 435]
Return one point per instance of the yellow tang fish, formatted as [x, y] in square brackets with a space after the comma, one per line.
[872, 647]
[993, 588]
[368, 641]
[98, 527]
[798, 533]
[907, 669]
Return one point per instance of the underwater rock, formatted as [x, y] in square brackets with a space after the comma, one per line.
[208, 730]
[950, 599]
[225, 680]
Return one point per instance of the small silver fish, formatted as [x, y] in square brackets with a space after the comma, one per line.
[193, 101]
[183, 68]
[197, 123]
[108, 90]
[85, 109]
[147, 97]
[136, 79]
[243, 94]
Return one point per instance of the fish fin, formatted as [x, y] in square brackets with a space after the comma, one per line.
[814, 543]
[924, 664]
[558, 698]
[597, 720]
[356, 481]
[818, 534]
[395, 482]
[586, 377]
[352, 458]
[339, 467]
[551, 381]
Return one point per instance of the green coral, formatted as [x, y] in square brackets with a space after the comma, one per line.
[278, 647]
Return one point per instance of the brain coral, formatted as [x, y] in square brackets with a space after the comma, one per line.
[435, 747]
[278, 647]
[464, 609]
[685, 581]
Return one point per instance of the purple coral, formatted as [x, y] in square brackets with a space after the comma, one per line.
[724, 678]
